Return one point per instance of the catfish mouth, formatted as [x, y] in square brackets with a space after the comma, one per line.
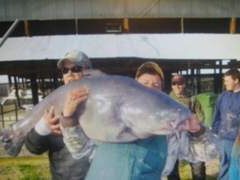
[168, 128]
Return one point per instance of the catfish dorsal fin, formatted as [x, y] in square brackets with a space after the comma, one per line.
[93, 73]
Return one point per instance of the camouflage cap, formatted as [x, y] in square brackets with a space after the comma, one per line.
[152, 66]
[77, 57]
[177, 78]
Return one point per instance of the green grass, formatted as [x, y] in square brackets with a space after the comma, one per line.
[24, 168]
[37, 168]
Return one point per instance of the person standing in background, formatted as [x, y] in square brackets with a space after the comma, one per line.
[226, 120]
[178, 93]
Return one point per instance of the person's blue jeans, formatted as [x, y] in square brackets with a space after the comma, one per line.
[225, 158]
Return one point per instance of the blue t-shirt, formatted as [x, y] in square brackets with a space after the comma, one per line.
[140, 160]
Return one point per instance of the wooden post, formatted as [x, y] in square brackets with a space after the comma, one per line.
[26, 28]
[125, 25]
[76, 26]
[233, 25]
[182, 25]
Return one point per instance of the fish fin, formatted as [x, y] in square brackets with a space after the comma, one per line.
[127, 133]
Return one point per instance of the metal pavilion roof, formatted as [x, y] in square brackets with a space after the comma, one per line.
[150, 46]
[95, 9]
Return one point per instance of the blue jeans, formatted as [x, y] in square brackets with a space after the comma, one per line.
[225, 158]
[139, 160]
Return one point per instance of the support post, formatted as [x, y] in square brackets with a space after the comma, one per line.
[34, 88]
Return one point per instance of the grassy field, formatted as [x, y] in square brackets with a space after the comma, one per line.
[24, 168]
[37, 168]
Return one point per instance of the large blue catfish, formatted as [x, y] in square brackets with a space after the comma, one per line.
[118, 109]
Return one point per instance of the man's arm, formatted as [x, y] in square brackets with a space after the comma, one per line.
[37, 140]
[73, 136]
[35, 143]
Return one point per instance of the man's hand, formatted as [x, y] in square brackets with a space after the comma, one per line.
[52, 121]
[74, 99]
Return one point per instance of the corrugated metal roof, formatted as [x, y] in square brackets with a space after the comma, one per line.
[155, 46]
[101, 9]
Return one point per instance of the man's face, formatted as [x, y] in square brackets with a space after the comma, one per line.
[71, 72]
[152, 81]
[229, 83]
[178, 88]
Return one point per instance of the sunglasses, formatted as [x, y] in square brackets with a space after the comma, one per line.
[74, 69]
[177, 83]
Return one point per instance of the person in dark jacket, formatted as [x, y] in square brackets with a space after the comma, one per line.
[227, 119]
[46, 136]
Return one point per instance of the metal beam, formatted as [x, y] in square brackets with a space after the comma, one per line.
[9, 31]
